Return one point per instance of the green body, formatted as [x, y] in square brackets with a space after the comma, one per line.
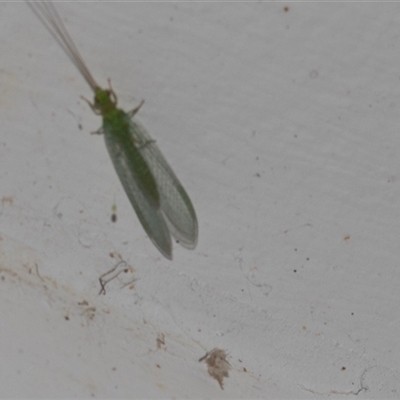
[117, 127]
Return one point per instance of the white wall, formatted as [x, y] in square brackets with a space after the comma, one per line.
[283, 127]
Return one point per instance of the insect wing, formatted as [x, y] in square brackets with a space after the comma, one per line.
[174, 201]
[149, 215]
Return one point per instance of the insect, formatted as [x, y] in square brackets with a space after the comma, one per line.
[160, 201]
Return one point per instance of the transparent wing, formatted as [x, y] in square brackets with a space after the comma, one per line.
[147, 211]
[174, 202]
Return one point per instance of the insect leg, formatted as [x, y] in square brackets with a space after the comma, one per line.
[97, 112]
[112, 93]
[135, 110]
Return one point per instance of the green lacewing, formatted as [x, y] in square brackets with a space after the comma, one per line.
[160, 201]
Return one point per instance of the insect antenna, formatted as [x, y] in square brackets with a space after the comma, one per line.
[49, 17]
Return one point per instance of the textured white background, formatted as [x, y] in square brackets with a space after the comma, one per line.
[284, 128]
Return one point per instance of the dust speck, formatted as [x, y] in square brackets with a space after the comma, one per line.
[160, 340]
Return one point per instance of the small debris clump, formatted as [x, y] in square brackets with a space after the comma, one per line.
[218, 366]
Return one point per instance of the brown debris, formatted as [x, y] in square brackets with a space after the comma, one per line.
[218, 366]
[160, 340]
